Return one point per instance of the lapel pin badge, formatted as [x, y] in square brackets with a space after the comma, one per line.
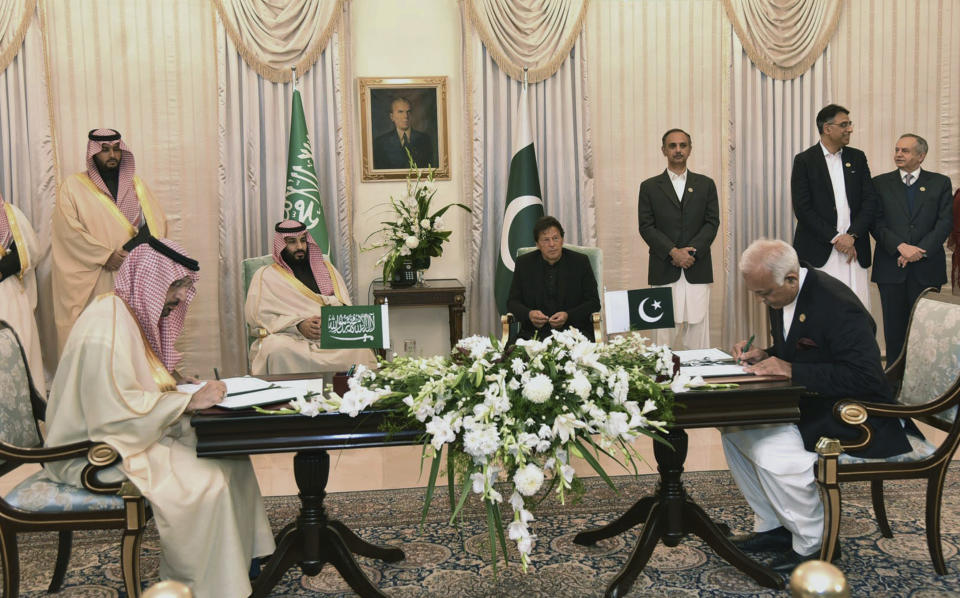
[689, 189]
[923, 188]
[803, 317]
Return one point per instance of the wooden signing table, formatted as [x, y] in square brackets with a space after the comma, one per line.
[314, 540]
[670, 514]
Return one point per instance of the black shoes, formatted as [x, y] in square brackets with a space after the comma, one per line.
[776, 540]
[786, 562]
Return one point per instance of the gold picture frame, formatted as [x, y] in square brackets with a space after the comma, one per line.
[401, 114]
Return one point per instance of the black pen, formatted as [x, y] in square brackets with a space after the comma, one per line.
[747, 346]
[216, 374]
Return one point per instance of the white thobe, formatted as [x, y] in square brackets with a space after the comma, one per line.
[110, 387]
[18, 294]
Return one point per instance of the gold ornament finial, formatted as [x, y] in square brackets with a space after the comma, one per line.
[168, 589]
[817, 579]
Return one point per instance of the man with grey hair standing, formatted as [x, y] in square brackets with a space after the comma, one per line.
[914, 219]
[824, 340]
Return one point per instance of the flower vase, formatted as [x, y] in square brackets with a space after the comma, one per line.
[420, 264]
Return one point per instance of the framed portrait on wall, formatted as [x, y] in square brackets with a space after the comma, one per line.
[402, 119]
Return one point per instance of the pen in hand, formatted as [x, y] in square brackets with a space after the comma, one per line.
[216, 373]
[746, 348]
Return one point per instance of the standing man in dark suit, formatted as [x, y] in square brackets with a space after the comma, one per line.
[823, 339]
[552, 288]
[835, 203]
[679, 214]
[914, 219]
[390, 148]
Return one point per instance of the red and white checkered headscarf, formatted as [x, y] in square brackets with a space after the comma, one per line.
[126, 195]
[5, 236]
[292, 228]
[142, 282]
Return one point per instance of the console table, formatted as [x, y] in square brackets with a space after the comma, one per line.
[441, 291]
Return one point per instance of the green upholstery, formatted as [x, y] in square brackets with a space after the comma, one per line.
[933, 354]
[250, 266]
[17, 424]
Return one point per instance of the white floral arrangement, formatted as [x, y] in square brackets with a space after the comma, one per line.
[412, 231]
[516, 415]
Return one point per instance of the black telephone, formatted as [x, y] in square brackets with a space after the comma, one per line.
[404, 275]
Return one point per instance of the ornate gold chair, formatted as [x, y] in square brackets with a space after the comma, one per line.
[595, 255]
[927, 374]
[40, 504]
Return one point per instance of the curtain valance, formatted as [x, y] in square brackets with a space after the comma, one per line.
[783, 38]
[15, 17]
[537, 34]
[273, 35]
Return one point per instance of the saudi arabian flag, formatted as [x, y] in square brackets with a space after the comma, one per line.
[302, 196]
[524, 204]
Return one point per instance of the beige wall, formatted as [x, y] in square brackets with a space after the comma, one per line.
[390, 40]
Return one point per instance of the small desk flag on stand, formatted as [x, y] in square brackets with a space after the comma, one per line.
[639, 309]
[302, 192]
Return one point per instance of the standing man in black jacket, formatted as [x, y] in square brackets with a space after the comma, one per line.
[678, 214]
[914, 218]
[835, 203]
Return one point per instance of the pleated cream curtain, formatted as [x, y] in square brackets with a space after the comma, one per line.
[272, 36]
[783, 39]
[148, 69]
[771, 120]
[252, 145]
[559, 112]
[27, 173]
[654, 66]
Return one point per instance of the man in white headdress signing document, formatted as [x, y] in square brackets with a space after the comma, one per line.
[19, 252]
[115, 384]
[99, 211]
[283, 308]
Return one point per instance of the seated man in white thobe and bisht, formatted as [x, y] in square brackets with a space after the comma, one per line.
[115, 385]
[19, 251]
[283, 308]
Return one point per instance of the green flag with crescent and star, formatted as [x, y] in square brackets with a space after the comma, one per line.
[302, 193]
[524, 202]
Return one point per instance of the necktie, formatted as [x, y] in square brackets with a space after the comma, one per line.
[403, 140]
[911, 192]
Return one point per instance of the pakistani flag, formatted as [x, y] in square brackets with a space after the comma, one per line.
[524, 203]
[302, 196]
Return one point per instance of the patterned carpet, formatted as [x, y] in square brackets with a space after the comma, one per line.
[445, 561]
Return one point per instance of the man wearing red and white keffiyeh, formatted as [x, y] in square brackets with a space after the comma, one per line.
[101, 214]
[114, 385]
[283, 308]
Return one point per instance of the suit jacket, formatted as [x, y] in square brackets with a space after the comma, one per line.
[387, 152]
[927, 227]
[666, 222]
[815, 208]
[833, 351]
[577, 291]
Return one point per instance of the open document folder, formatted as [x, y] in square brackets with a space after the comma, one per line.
[248, 391]
[708, 363]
